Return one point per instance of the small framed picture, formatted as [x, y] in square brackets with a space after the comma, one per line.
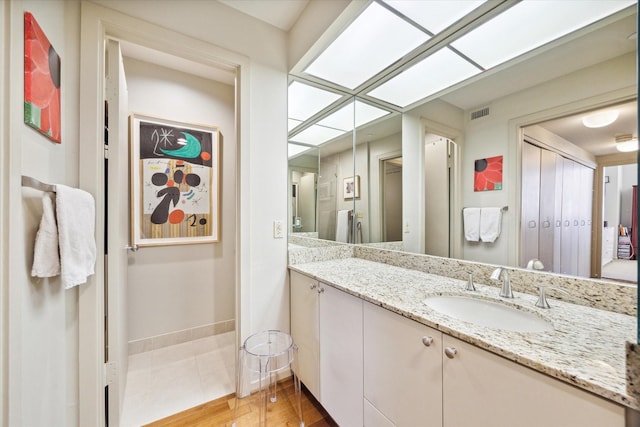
[351, 187]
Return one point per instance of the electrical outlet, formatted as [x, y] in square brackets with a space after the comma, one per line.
[406, 227]
[277, 229]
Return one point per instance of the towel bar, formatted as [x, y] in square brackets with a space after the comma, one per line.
[28, 181]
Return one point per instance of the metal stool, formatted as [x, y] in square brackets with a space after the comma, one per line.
[267, 353]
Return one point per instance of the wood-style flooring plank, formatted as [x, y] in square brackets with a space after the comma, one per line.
[219, 412]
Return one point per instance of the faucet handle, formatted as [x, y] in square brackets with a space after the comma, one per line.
[542, 297]
[470, 285]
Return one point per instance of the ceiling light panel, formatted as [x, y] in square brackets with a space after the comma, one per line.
[316, 135]
[434, 15]
[506, 36]
[376, 39]
[306, 100]
[344, 118]
[295, 149]
[433, 74]
[292, 123]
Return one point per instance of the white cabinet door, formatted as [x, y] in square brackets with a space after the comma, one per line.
[341, 356]
[402, 368]
[482, 389]
[304, 329]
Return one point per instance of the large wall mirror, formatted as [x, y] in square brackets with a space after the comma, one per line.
[399, 149]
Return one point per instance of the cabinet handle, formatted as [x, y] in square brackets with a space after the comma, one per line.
[450, 352]
[532, 224]
[312, 286]
[320, 290]
[427, 341]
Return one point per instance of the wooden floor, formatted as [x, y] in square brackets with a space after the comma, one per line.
[219, 412]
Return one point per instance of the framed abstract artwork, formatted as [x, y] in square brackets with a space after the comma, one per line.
[351, 187]
[488, 174]
[41, 81]
[175, 179]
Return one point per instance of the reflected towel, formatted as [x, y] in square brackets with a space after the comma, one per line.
[46, 258]
[342, 226]
[76, 233]
[471, 217]
[490, 222]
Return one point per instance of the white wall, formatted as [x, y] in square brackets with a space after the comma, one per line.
[174, 288]
[42, 346]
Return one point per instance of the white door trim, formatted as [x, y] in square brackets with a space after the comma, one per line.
[98, 23]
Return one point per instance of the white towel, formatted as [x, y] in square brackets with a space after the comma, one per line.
[76, 232]
[490, 222]
[342, 226]
[471, 217]
[46, 258]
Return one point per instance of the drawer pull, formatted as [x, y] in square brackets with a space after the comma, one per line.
[427, 341]
[450, 352]
[312, 286]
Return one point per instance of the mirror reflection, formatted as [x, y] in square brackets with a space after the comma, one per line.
[402, 179]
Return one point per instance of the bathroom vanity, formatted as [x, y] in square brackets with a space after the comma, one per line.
[375, 354]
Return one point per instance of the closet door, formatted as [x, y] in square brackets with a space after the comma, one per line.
[546, 222]
[569, 234]
[584, 228]
[530, 202]
[557, 225]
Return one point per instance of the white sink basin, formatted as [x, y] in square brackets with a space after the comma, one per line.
[487, 313]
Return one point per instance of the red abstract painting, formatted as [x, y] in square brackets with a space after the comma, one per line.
[41, 81]
[488, 174]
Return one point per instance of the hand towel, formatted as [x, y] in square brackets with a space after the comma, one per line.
[471, 217]
[342, 226]
[76, 234]
[46, 258]
[490, 224]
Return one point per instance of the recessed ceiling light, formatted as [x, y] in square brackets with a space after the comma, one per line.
[600, 119]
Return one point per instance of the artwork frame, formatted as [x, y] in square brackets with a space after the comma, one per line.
[487, 175]
[42, 82]
[174, 182]
[351, 187]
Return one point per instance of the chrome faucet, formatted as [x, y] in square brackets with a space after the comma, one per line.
[470, 285]
[506, 291]
[542, 297]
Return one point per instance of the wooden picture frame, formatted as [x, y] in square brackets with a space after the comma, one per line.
[175, 179]
[351, 187]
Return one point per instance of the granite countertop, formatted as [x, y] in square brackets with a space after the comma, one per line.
[586, 347]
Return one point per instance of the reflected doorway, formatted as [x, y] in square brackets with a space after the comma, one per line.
[392, 199]
[438, 166]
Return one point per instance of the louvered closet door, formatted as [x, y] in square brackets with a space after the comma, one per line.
[530, 202]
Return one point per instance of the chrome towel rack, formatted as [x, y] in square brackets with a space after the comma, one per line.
[30, 182]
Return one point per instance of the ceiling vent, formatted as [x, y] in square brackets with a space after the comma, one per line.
[479, 113]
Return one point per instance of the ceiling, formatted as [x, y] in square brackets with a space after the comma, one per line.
[580, 52]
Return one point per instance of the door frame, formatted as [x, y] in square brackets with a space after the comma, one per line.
[98, 24]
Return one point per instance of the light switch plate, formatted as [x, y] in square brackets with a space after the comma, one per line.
[278, 232]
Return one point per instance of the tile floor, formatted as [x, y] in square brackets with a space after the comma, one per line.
[169, 380]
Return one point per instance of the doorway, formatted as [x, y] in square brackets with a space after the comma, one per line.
[392, 199]
[439, 174]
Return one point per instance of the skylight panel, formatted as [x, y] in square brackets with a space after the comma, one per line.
[376, 39]
[433, 74]
[434, 15]
[306, 100]
[530, 24]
